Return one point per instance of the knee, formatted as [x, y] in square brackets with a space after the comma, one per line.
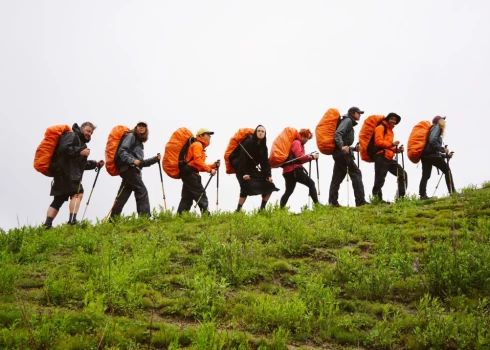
[57, 203]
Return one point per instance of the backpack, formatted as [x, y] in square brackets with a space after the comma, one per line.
[112, 146]
[233, 149]
[45, 159]
[367, 149]
[176, 150]
[325, 131]
[281, 147]
[417, 141]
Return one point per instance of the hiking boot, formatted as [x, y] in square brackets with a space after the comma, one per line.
[48, 226]
[362, 203]
[73, 222]
[336, 205]
[424, 197]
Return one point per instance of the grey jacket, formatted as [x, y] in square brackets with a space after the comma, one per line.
[344, 135]
[434, 146]
[130, 149]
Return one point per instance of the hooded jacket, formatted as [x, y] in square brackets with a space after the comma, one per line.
[131, 149]
[297, 151]
[385, 141]
[260, 154]
[344, 135]
[196, 156]
[433, 146]
[70, 162]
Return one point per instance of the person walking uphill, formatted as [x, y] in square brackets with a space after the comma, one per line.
[294, 172]
[433, 155]
[254, 170]
[68, 167]
[129, 161]
[385, 152]
[343, 155]
[192, 188]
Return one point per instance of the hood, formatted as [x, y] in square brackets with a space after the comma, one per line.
[354, 122]
[203, 141]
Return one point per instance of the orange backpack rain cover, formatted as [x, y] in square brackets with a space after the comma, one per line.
[325, 131]
[170, 161]
[281, 147]
[45, 150]
[417, 140]
[367, 131]
[111, 146]
[239, 136]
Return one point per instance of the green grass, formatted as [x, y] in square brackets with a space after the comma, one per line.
[411, 275]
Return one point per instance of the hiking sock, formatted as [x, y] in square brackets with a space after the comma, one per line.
[263, 204]
[239, 207]
[48, 222]
[73, 218]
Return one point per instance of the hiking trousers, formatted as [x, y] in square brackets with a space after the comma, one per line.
[344, 162]
[439, 163]
[381, 168]
[132, 181]
[192, 189]
[292, 178]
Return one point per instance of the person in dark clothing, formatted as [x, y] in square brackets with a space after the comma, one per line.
[192, 188]
[293, 172]
[383, 159]
[434, 155]
[343, 156]
[129, 161]
[68, 164]
[254, 170]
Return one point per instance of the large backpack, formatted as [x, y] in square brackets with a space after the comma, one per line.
[325, 131]
[234, 147]
[417, 140]
[112, 145]
[281, 147]
[45, 152]
[367, 148]
[176, 150]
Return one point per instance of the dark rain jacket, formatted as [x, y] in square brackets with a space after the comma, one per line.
[434, 146]
[260, 155]
[131, 149]
[344, 135]
[70, 165]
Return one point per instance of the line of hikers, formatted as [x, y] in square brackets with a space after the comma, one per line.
[63, 154]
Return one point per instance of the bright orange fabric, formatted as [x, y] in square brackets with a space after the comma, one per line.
[170, 161]
[325, 131]
[367, 131]
[417, 140]
[196, 157]
[111, 146]
[385, 141]
[239, 136]
[45, 150]
[282, 146]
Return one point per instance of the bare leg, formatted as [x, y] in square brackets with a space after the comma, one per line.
[75, 201]
[52, 212]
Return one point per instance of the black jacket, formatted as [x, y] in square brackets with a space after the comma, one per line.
[69, 164]
[130, 149]
[344, 135]
[260, 155]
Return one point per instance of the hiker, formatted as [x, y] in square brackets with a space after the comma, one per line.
[293, 172]
[383, 158]
[434, 154]
[253, 169]
[192, 188]
[71, 162]
[343, 156]
[129, 161]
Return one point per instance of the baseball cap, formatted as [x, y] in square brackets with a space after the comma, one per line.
[354, 110]
[142, 122]
[436, 119]
[204, 131]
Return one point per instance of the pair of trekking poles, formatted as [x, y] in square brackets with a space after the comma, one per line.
[451, 184]
[207, 184]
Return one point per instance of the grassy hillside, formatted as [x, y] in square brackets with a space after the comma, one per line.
[408, 275]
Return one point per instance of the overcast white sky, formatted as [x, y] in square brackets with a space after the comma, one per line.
[224, 65]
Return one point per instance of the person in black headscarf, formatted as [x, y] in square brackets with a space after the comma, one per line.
[253, 168]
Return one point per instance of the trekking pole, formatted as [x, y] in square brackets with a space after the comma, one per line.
[161, 180]
[97, 170]
[347, 173]
[357, 148]
[202, 194]
[451, 184]
[403, 167]
[317, 176]
[309, 174]
[217, 187]
[438, 182]
[115, 201]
